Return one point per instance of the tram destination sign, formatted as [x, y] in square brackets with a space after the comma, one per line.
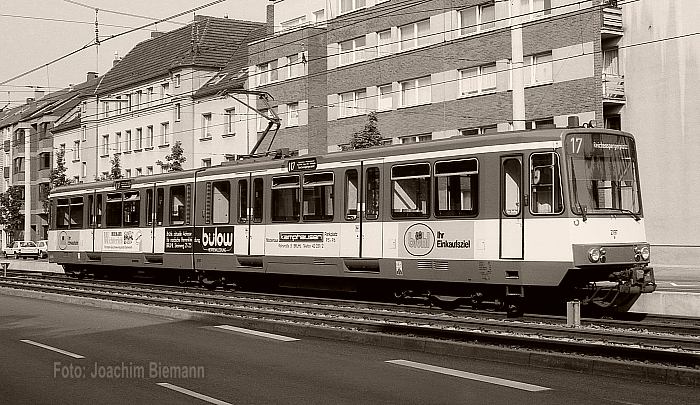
[124, 184]
[301, 165]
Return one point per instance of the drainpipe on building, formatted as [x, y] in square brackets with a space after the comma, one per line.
[516, 40]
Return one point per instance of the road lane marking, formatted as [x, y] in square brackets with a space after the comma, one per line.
[256, 333]
[73, 355]
[683, 285]
[470, 376]
[193, 394]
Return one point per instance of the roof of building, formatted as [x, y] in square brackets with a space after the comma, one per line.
[208, 42]
[234, 74]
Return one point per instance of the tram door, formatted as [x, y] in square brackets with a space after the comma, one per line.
[251, 241]
[362, 211]
[511, 212]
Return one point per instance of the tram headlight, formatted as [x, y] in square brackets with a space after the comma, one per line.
[645, 253]
[594, 255]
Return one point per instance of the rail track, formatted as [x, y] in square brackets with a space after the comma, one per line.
[669, 341]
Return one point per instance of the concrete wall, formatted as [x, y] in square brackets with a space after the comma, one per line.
[661, 63]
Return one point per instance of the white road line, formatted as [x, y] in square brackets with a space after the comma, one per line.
[73, 355]
[683, 285]
[470, 376]
[193, 394]
[256, 333]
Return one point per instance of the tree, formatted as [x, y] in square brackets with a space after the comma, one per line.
[369, 136]
[174, 160]
[11, 215]
[57, 178]
[116, 172]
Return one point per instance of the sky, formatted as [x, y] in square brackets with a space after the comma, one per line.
[35, 32]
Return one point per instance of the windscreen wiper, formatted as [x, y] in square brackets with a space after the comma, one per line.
[626, 211]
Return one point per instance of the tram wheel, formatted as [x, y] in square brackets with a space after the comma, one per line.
[514, 307]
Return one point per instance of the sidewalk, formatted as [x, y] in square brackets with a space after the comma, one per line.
[33, 265]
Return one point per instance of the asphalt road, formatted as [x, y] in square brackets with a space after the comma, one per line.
[59, 353]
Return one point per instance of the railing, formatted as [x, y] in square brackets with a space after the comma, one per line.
[613, 87]
[612, 19]
[6, 145]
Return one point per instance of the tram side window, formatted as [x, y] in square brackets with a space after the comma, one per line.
[351, 194]
[221, 200]
[318, 196]
[456, 182]
[95, 207]
[177, 205]
[372, 195]
[243, 201]
[257, 200]
[132, 209]
[545, 184]
[160, 206]
[62, 213]
[511, 183]
[285, 199]
[114, 210]
[76, 212]
[410, 185]
[149, 207]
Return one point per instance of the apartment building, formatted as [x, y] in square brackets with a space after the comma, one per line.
[430, 69]
[145, 103]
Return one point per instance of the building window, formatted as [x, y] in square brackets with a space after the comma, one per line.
[352, 51]
[18, 165]
[149, 170]
[538, 69]
[76, 151]
[176, 79]
[139, 138]
[45, 160]
[296, 65]
[206, 162]
[139, 99]
[415, 92]
[84, 169]
[383, 43]
[347, 6]
[83, 132]
[230, 121]
[149, 136]
[149, 95]
[267, 72]
[139, 172]
[164, 135]
[105, 108]
[129, 143]
[206, 126]
[386, 98]
[416, 138]
[477, 19]
[530, 9]
[118, 142]
[293, 114]
[541, 123]
[477, 80]
[486, 129]
[164, 90]
[319, 16]
[127, 173]
[353, 103]
[414, 35]
[178, 111]
[105, 145]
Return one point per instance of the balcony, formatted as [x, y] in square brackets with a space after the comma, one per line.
[6, 172]
[612, 20]
[6, 145]
[613, 88]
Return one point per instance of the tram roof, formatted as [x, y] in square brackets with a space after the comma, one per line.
[260, 164]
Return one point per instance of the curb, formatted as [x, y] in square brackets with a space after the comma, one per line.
[557, 361]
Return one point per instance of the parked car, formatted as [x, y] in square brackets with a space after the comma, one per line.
[22, 248]
[43, 246]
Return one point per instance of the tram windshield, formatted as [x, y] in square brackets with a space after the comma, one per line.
[603, 174]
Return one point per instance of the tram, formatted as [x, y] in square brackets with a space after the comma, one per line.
[506, 219]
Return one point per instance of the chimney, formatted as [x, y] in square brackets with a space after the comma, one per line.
[30, 100]
[270, 19]
[91, 76]
[156, 34]
[116, 60]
